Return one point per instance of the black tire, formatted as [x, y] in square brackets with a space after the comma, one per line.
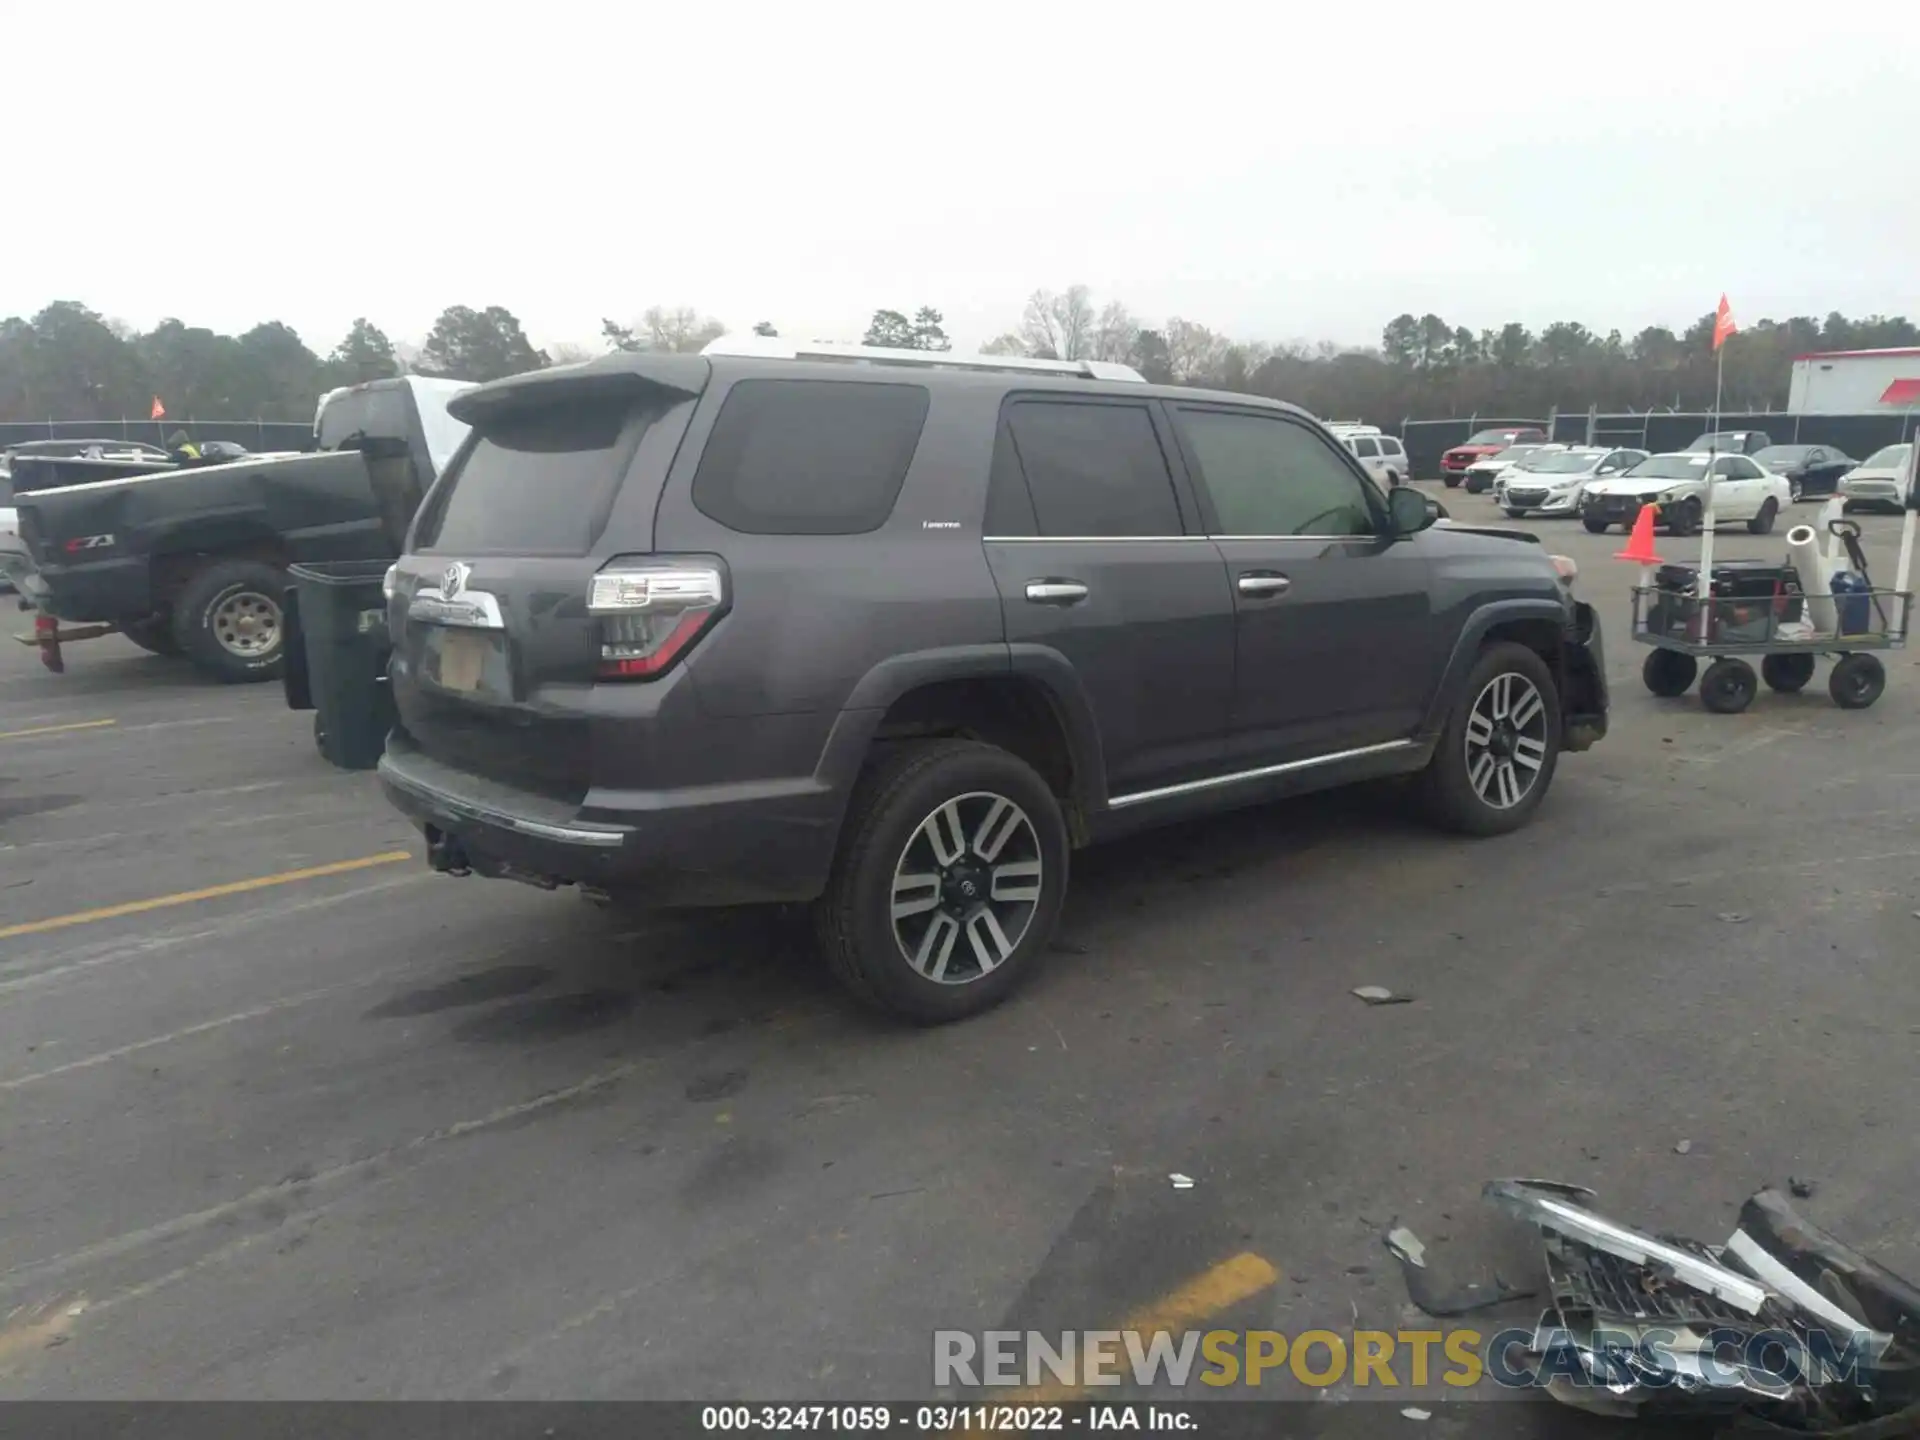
[1668, 673]
[1762, 524]
[903, 789]
[1513, 514]
[199, 609]
[1786, 674]
[1595, 525]
[1448, 791]
[1684, 518]
[1476, 485]
[1856, 681]
[1847, 507]
[1452, 482]
[1729, 686]
[153, 636]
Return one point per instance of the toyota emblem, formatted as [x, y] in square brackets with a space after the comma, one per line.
[455, 580]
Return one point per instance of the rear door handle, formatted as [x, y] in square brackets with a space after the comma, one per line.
[1264, 582]
[1056, 592]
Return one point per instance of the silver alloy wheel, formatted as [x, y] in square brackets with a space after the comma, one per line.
[972, 868]
[246, 624]
[1506, 740]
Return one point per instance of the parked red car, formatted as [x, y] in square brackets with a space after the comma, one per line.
[1482, 443]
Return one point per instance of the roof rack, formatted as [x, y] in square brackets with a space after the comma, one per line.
[772, 347]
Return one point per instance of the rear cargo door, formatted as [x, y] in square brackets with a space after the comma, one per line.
[496, 651]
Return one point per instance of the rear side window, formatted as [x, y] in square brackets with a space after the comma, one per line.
[809, 457]
[1094, 470]
[1390, 446]
[538, 482]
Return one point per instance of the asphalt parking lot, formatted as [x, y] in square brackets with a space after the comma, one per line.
[282, 1114]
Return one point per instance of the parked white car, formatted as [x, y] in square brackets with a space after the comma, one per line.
[1550, 482]
[1482, 474]
[1743, 493]
[1383, 455]
[1875, 482]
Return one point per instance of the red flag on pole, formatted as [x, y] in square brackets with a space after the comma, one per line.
[160, 411]
[1723, 325]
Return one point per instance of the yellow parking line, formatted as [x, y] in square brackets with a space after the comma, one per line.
[55, 729]
[212, 892]
[1206, 1294]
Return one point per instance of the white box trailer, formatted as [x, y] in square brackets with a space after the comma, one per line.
[1856, 382]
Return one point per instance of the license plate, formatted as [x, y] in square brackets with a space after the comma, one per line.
[463, 657]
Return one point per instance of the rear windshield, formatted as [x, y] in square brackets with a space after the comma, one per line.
[535, 483]
[809, 457]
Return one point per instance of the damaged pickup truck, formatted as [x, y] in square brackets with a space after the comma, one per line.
[192, 560]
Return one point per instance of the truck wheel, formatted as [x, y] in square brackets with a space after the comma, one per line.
[1452, 482]
[948, 883]
[227, 619]
[1595, 525]
[1762, 524]
[1498, 749]
[153, 636]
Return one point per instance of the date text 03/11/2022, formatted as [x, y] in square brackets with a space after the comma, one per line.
[956, 1420]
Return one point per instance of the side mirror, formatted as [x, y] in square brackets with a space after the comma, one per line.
[1409, 511]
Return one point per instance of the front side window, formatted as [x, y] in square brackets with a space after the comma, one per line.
[1273, 477]
[1093, 469]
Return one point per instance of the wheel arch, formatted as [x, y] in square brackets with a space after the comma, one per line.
[1538, 624]
[1025, 698]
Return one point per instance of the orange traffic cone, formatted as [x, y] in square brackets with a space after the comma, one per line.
[1640, 543]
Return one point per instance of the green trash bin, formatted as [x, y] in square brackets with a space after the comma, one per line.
[337, 652]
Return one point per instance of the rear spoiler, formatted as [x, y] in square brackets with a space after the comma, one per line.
[610, 377]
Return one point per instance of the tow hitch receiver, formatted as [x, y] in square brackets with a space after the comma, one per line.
[446, 854]
[47, 636]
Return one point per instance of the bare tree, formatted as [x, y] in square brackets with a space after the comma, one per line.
[1007, 344]
[1193, 351]
[567, 353]
[1059, 326]
[1114, 333]
[681, 330]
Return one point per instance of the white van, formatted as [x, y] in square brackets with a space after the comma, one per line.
[1382, 454]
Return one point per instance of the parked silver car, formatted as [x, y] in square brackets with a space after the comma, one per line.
[1550, 482]
[1875, 482]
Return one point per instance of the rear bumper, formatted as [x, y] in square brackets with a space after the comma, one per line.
[751, 845]
[1583, 694]
[105, 591]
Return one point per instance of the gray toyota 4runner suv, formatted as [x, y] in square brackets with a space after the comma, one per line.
[893, 633]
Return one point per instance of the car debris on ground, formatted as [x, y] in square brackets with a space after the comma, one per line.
[1782, 1330]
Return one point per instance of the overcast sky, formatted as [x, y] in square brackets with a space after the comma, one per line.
[1277, 172]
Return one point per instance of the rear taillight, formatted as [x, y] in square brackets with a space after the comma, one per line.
[651, 611]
